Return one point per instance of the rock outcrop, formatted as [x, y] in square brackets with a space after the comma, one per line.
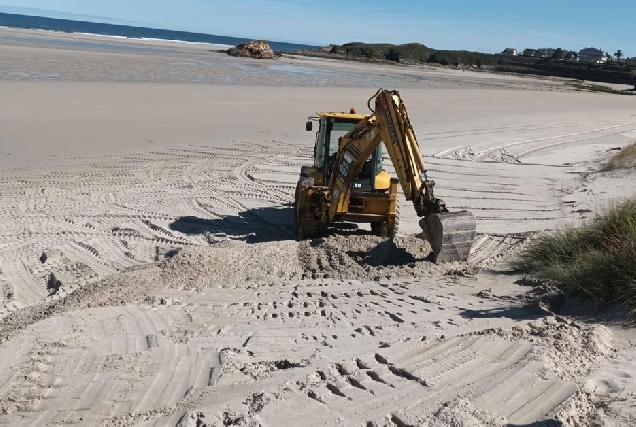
[258, 49]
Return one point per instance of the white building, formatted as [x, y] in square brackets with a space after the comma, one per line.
[509, 51]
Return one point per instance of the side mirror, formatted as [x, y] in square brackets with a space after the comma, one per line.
[309, 126]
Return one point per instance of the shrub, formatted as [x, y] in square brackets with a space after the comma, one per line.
[404, 52]
[596, 260]
[624, 159]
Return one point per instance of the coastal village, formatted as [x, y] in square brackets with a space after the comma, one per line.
[588, 55]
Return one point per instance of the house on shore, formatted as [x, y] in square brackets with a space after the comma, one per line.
[593, 56]
[571, 56]
[546, 52]
[509, 51]
[549, 52]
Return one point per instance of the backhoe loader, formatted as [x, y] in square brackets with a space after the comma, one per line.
[347, 181]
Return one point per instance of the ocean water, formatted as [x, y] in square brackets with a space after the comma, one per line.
[153, 63]
[125, 31]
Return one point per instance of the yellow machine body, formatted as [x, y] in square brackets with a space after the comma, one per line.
[375, 203]
[347, 181]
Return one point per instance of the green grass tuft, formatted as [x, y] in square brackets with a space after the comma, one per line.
[626, 158]
[596, 261]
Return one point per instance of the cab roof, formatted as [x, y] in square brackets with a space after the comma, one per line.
[341, 115]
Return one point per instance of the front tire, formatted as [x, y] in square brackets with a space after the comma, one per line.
[305, 229]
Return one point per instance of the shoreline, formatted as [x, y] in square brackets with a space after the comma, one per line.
[200, 52]
[113, 37]
[89, 37]
[322, 58]
[418, 54]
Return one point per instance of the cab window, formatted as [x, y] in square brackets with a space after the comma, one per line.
[338, 129]
[328, 135]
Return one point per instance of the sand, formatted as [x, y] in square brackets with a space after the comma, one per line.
[149, 274]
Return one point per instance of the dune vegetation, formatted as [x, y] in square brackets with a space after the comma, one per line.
[625, 158]
[596, 261]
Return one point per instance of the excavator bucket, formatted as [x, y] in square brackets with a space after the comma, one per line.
[451, 235]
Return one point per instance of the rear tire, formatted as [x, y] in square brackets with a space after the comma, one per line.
[376, 228]
[306, 231]
[381, 228]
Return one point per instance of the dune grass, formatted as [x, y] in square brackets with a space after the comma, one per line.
[625, 158]
[596, 261]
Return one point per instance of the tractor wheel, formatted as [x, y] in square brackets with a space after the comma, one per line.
[304, 229]
[296, 194]
[381, 228]
[375, 228]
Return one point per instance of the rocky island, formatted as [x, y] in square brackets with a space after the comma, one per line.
[258, 49]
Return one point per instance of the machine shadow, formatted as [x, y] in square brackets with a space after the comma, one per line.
[517, 312]
[257, 225]
[546, 423]
[387, 253]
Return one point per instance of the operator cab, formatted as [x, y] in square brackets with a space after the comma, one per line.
[332, 126]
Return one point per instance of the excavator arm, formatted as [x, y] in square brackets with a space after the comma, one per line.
[450, 234]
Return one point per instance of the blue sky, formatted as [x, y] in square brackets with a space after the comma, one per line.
[484, 25]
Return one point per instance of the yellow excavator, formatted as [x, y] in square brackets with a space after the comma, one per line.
[347, 181]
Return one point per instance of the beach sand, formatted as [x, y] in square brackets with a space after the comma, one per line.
[149, 274]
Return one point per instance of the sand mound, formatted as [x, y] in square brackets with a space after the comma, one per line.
[358, 257]
[499, 155]
[230, 263]
[460, 412]
[258, 49]
[569, 348]
[364, 257]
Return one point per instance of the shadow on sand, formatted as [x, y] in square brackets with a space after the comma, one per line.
[257, 225]
[264, 224]
[546, 423]
[517, 312]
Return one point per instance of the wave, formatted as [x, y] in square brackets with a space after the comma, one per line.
[154, 39]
